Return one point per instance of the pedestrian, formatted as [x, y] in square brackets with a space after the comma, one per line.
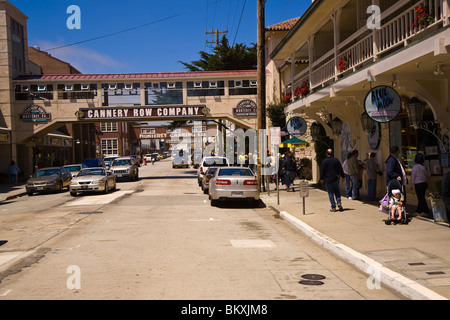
[446, 192]
[13, 171]
[353, 172]
[419, 177]
[290, 167]
[395, 170]
[348, 182]
[330, 172]
[372, 169]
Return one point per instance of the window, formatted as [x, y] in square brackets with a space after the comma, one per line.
[148, 131]
[110, 147]
[17, 45]
[108, 126]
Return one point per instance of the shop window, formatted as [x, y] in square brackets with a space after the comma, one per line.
[412, 141]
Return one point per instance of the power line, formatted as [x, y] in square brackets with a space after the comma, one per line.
[240, 19]
[133, 28]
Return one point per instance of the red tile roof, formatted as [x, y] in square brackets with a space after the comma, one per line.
[139, 76]
[283, 26]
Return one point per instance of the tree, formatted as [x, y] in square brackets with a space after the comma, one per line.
[276, 114]
[224, 57]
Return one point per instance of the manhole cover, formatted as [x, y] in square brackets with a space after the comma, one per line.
[311, 282]
[91, 212]
[313, 277]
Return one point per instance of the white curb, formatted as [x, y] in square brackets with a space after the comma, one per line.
[394, 280]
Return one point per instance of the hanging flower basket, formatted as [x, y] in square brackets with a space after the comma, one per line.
[344, 63]
[424, 18]
[287, 98]
[302, 91]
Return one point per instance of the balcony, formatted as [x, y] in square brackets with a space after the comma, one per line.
[401, 24]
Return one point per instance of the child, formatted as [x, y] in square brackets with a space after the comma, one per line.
[396, 204]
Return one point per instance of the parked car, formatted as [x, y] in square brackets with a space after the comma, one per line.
[125, 167]
[148, 157]
[48, 179]
[233, 183]
[180, 159]
[74, 168]
[156, 156]
[108, 161]
[207, 177]
[210, 161]
[93, 180]
[92, 163]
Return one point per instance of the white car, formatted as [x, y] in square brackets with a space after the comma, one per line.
[210, 161]
[180, 159]
[233, 183]
[93, 180]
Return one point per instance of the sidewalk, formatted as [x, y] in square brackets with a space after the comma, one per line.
[12, 191]
[412, 259]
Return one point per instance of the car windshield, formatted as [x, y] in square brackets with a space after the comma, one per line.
[211, 170]
[242, 172]
[46, 172]
[110, 159]
[122, 162]
[215, 162]
[92, 172]
[73, 168]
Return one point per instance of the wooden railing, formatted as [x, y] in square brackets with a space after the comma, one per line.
[394, 32]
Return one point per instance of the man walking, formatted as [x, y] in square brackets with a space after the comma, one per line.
[330, 172]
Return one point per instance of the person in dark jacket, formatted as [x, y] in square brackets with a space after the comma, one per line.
[330, 172]
[395, 171]
[290, 167]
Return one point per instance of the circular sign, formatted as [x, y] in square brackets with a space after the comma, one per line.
[382, 104]
[296, 126]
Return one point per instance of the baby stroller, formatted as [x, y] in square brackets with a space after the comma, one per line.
[405, 219]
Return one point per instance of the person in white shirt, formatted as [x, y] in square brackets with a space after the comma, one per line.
[419, 177]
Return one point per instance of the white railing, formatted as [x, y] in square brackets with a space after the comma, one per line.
[393, 33]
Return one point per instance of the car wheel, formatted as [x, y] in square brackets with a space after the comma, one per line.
[213, 203]
[73, 193]
[106, 187]
[29, 193]
[205, 191]
[115, 186]
[61, 187]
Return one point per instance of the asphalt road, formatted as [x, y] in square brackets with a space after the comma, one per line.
[159, 239]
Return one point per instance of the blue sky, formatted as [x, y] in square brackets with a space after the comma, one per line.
[174, 31]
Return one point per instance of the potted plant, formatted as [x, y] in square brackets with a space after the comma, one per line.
[287, 98]
[438, 207]
[423, 17]
[344, 63]
[302, 91]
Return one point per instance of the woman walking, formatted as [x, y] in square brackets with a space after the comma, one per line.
[419, 177]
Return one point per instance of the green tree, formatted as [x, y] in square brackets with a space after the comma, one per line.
[225, 57]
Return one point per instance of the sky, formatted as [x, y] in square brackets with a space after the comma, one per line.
[140, 36]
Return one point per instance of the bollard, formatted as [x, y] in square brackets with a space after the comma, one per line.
[304, 193]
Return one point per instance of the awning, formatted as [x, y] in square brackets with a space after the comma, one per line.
[293, 142]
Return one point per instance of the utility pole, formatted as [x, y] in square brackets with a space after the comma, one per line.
[217, 32]
[261, 90]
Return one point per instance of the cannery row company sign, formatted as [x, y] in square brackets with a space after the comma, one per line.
[127, 113]
[34, 113]
[245, 108]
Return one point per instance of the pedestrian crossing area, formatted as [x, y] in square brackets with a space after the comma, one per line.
[97, 199]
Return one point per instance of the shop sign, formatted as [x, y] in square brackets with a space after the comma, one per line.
[382, 104]
[124, 113]
[296, 126]
[4, 137]
[34, 113]
[245, 108]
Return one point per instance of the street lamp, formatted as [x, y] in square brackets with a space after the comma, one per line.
[415, 109]
[368, 124]
[315, 131]
[336, 125]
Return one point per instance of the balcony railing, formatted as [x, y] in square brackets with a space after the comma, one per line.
[366, 46]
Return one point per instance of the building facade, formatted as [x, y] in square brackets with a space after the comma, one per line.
[344, 62]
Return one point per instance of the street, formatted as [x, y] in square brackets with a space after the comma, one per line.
[158, 238]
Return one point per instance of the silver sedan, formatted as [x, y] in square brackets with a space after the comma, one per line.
[93, 180]
[233, 183]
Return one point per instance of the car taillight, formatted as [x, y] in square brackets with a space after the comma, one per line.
[201, 169]
[250, 182]
[223, 182]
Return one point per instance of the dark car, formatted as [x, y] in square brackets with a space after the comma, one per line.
[49, 179]
[93, 163]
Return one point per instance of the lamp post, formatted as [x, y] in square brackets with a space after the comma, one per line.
[367, 123]
[415, 109]
[336, 125]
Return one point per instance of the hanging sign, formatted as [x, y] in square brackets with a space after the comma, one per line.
[296, 126]
[35, 113]
[382, 104]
